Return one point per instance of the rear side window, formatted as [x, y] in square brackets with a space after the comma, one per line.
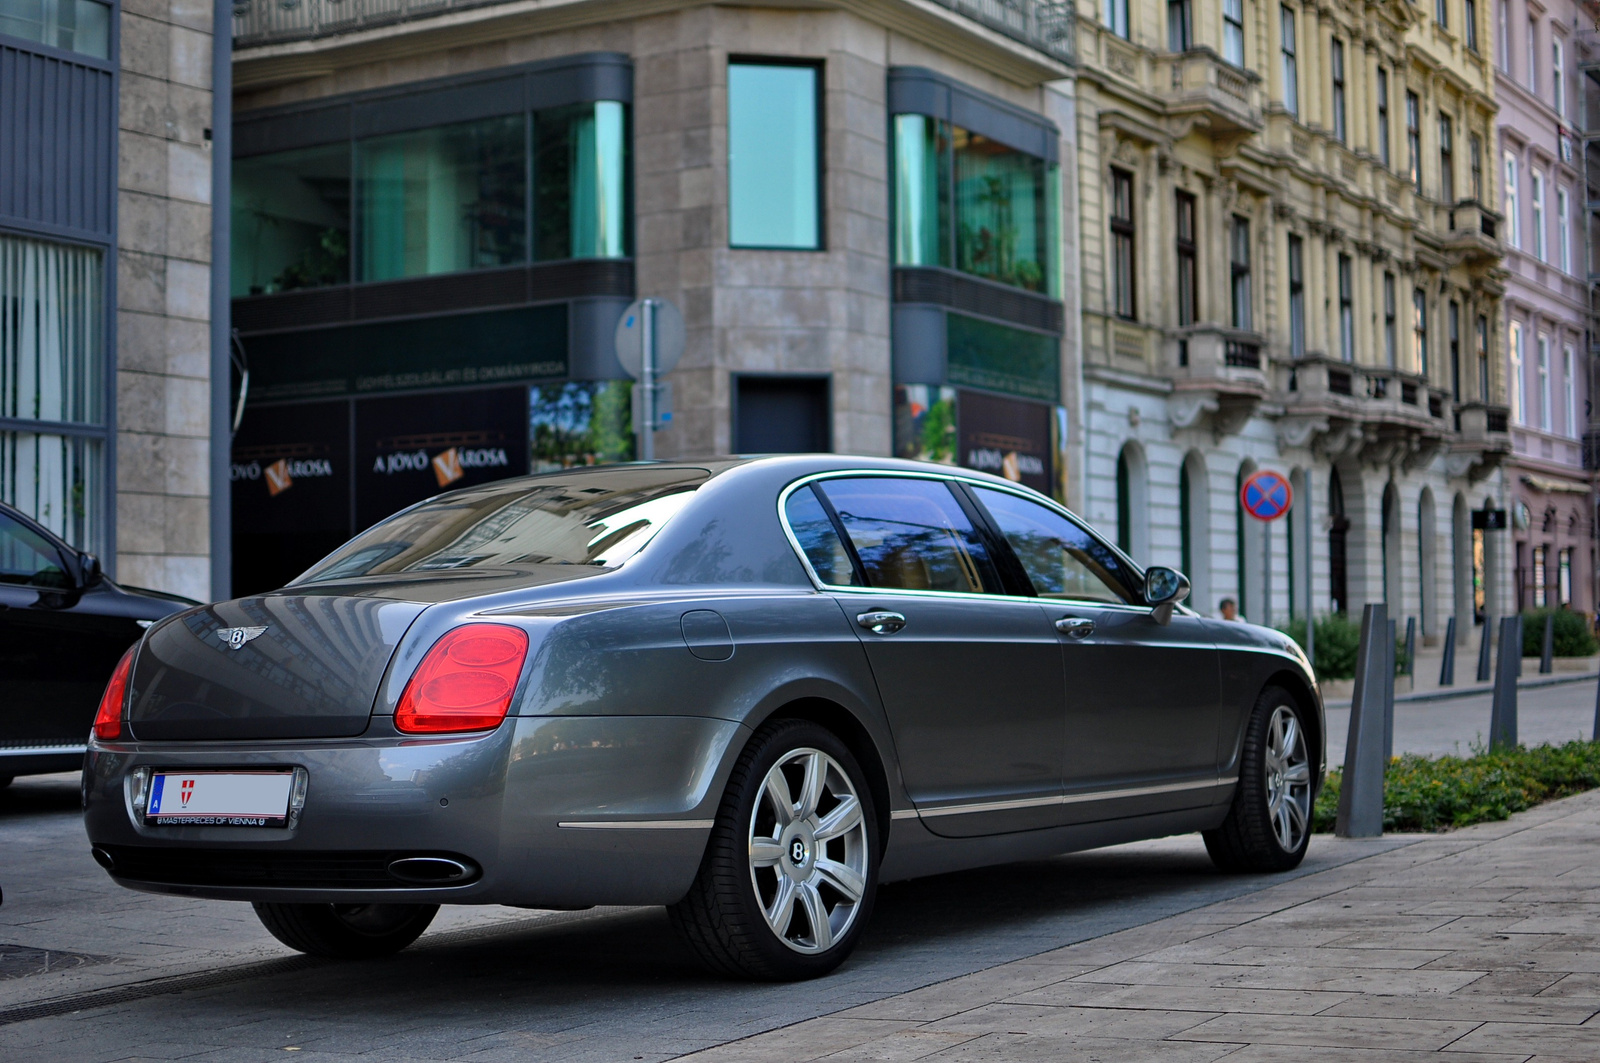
[911, 535]
[818, 539]
[1061, 559]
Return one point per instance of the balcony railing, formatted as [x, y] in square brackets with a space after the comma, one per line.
[1047, 25]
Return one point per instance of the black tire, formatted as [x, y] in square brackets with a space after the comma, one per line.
[723, 916]
[1249, 840]
[346, 931]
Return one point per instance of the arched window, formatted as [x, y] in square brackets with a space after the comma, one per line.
[1338, 541]
[1133, 503]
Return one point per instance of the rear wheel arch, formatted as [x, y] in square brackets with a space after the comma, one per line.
[853, 733]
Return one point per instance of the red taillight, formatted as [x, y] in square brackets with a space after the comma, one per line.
[108, 721]
[465, 682]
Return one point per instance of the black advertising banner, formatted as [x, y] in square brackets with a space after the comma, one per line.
[1006, 437]
[291, 491]
[413, 447]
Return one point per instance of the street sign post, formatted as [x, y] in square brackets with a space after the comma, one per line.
[1266, 496]
[649, 341]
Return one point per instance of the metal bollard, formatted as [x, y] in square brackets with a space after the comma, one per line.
[1483, 652]
[1547, 662]
[1503, 715]
[1447, 666]
[1411, 651]
[1361, 792]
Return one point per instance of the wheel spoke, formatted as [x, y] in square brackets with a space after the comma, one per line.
[1281, 819]
[765, 852]
[1297, 774]
[847, 880]
[841, 819]
[811, 789]
[781, 910]
[778, 793]
[1297, 815]
[1291, 736]
[817, 915]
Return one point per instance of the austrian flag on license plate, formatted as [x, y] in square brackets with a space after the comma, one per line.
[216, 798]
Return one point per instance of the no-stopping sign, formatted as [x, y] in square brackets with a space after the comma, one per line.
[1266, 495]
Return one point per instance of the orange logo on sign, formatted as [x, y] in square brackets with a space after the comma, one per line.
[278, 478]
[447, 467]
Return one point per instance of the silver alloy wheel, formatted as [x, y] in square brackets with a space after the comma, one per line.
[808, 850]
[1288, 779]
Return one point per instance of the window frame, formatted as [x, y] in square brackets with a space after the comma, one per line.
[1536, 210]
[1297, 296]
[1469, 23]
[1441, 13]
[1341, 126]
[1414, 139]
[1547, 420]
[1569, 391]
[1124, 245]
[1391, 338]
[1514, 354]
[1453, 324]
[1287, 45]
[1347, 316]
[1563, 229]
[1419, 332]
[1188, 254]
[1475, 150]
[1233, 34]
[1180, 25]
[1385, 151]
[819, 66]
[1447, 160]
[1242, 310]
[1558, 75]
[1114, 15]
[1512, 201]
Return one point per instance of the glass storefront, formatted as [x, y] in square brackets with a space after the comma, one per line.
[440, 200]
[82, 26]
[52, 370]
[1022, 441]
[969, 201]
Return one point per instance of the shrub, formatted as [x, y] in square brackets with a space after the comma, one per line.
[1422, 794]
[1572, 636]
[1338, 638]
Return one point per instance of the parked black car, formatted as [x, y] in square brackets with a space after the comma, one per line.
[63, 627]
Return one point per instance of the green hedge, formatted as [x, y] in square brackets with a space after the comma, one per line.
[1572, 636]
[1337, 640]
[1422, 794]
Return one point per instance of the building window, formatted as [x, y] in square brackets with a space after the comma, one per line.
[1503, 38]
[1337, 65]
[1537, 200]
[1391, 353]
[1297, 298]
[774, 156]
[1233, 31]
[1347, 310]
[81, 26]
[1558, 78]
[1539, 577]
[782, 415]
[1533, 53]
[1414, 140]
[1291, 73]
[1563, 231]
[1514, 377]
[1454, 324]
[1122, 264]
[1441, 12]
[1384, 155]
[1564, 575]
[1419, 332]
[1569, 392]
[1447, 161]
[291, 220]
[52, 383]
[1188, 254]
[1180, 25]
[1469, 22]
[1483, 358]
[1546, 413]
[1476, 151]
[1513, 209]
[1115, 13]
[1241, 273]
[964, 200]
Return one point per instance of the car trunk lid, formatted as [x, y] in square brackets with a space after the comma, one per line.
[269, 667]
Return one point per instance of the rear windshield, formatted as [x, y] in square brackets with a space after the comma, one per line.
[599, 518]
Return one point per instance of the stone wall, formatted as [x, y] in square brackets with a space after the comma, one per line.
[163, 296]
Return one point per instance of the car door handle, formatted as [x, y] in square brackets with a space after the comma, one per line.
[881, 621]
[1075, 627]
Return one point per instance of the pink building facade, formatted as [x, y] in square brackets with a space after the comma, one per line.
[1539, 154]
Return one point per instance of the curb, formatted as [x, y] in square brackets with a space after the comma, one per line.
[1447, 693]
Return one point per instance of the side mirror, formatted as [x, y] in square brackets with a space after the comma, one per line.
[1164, 588]
[89, 565]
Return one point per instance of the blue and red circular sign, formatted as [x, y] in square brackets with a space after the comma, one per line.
[1266, 495]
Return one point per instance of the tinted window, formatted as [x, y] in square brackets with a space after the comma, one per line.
[911, 535]
[1061, 559]
[822, 545]
[28, 557]
[599, 519]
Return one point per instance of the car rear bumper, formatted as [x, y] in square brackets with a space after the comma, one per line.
[543, 811]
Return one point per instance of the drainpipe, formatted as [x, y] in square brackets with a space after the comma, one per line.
[221, 414]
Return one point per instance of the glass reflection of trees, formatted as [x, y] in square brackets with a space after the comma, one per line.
[911, 535]
[1062, 560]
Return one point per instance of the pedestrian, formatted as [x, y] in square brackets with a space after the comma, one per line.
[1228, 608]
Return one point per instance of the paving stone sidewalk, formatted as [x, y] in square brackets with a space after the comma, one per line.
[1479, 945]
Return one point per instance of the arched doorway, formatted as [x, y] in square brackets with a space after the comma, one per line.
[1194, 525]
[1427, 569]
[1338, 545]
[1461, 570]
[1133, 503]
[1298, 539]
[1393, 589]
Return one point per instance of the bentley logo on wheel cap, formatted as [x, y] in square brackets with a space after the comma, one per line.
[236, 637]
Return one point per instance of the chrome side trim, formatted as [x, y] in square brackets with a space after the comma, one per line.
[903, 813]
[1074, 799]
[637, 824]
[41, 751]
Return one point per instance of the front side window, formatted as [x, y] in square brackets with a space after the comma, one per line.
[1389, 345]
[1233, 31]
[911, 535]
[1063, 561]
[1297, 297]
[1347, 315]
[1180, 25]
[1512, 207]
[1122, 244]
[1414, 140]
[1116, 16]
[1337, 64]
[1240, 247]
[1291, 72]
[774, 156]
[1384, 154]
[28, 558]
[1188, 255]
[1419, 331]
[82, 26]
[1447, 161]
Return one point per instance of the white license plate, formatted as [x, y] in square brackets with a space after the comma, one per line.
[218, 798]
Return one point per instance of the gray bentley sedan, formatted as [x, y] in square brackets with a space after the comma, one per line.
[748, 689]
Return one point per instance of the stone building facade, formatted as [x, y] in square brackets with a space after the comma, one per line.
[862, 211]
[1292, 261]
[105, 250]
[1540, 157]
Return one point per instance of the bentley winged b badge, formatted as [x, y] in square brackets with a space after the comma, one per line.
[236, 637]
